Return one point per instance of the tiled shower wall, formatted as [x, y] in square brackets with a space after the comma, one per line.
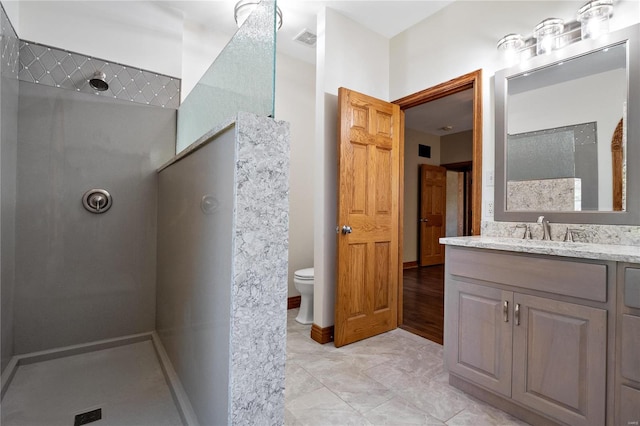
[59, 262]
[8, 158]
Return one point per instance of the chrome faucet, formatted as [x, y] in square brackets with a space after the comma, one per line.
[546, 228]
[527, 231]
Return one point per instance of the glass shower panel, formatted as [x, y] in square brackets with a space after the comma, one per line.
[242, 78]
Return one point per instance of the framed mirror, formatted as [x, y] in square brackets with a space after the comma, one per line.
[568, 134]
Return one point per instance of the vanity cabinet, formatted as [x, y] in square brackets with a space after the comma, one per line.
[628, 359]
[543, 350]
[560, 359]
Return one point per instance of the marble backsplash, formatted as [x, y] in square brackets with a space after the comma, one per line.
[584, 233]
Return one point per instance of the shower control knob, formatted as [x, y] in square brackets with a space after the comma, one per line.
[97, 200]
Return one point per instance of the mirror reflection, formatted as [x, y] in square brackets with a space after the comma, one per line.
[565, 144]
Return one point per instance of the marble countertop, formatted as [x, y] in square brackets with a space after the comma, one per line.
[612, 252]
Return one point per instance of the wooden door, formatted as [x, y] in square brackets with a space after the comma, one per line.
[478, 333]
[433, 198]
[560, 359]
[368, 194]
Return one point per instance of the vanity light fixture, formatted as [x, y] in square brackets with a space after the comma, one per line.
[553, 33]
[548, 35]
[594, 18]
[243, 9]
[511, 46]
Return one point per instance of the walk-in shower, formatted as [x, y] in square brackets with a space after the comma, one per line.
[140, 286]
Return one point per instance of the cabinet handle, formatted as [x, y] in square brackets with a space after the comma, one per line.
[505, 311]
[517, 313]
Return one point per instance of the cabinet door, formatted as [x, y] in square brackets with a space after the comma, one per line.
[478, 334]
[559, 359]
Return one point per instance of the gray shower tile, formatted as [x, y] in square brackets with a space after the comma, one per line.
[162, 98]
[26, 55]
[36, 69]
[47, 59]
[25, 75]
[69, 64]
[60, 54]
[58, 74]
[148, 94]
[47, 79]
[37, 50]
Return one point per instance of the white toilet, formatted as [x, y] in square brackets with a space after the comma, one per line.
[303, 280]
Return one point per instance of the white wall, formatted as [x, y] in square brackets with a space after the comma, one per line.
[200, 47]
[295, 103]
[139, 34]
[351, 56]
[413, 138]
[454, 42]
[12, 8]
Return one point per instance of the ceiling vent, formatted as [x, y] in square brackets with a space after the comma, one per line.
[306, 37]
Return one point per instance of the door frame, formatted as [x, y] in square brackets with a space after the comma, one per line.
[472, 80]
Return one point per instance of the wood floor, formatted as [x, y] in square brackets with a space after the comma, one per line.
[423, 302]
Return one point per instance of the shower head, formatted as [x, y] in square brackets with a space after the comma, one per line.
[99, 81]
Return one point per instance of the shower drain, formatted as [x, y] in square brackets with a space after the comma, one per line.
[88, 417]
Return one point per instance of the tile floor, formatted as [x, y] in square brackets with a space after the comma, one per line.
[125, 381]
[396, 378]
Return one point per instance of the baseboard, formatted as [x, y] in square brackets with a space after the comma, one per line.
[179, 395]
[410, 265]
[436, 339]
[49, 354]
[322, 335]
[293, 302]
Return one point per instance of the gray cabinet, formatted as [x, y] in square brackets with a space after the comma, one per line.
[628, 353]
[479, 334]
[539, 352]
[560, 359]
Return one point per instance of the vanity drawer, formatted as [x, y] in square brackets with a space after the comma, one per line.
[565, 277]
[629, 358]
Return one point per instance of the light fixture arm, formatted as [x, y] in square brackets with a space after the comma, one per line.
[244, 8]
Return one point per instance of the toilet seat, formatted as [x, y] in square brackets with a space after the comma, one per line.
[304, 274]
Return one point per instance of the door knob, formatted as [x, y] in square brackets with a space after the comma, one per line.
[424, 220]
[346, 229]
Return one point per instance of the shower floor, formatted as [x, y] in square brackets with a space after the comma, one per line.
[126, 382]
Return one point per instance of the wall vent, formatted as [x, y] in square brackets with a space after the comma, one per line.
[306, 37]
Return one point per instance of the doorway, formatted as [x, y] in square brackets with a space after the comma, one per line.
[426, 284]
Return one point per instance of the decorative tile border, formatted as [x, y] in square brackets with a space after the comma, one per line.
[55, 67]
[8, 46]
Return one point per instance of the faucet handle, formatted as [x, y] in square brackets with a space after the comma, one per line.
[527, 231]
[568, 236]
